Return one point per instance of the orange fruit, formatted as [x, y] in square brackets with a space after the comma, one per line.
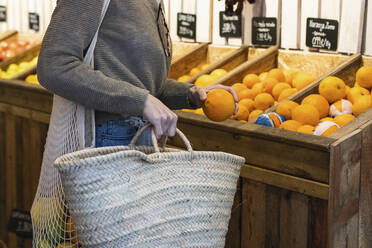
[278, 88]
[217, 73]
[308, 129]
[268, 85]
[289, 75]
[326, 128]
[204, 67]
[306, 114]
[342, 120]
[285, 108]
[361, 105]
[204, 80]
[341, 107]
[302, 79]
[194, 71]
[248, 103]
[199, 111]
[254, 114]
[239, 87]
[291, 125]
[277, 74]
[353, 93]
[188, 110]
[70, 230]
[184, 78]
[326, 119]
[364, 76]
[251, 79]
[219, 105]
[263, 75]
[332, 88]
[242, 114]
[286, 93]
[319, 102]
[258, 87]
[263, 101]
[247, 93]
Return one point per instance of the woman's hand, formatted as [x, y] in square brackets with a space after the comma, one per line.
[161, 117]
[198, 95]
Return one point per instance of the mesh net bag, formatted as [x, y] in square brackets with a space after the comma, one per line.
[68, 128]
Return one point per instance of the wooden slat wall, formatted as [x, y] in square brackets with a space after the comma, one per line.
[309, 8]
[291, 24]
[367, 49]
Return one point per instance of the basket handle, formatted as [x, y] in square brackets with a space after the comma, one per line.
[155, 141]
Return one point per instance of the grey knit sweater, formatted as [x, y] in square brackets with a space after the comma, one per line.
[130, 57]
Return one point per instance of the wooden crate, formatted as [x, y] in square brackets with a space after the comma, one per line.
[180, 49]
[296, 190]
[217, 56]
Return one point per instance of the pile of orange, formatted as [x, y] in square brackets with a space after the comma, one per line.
[194, 71]
[203, 80]
[334, 106]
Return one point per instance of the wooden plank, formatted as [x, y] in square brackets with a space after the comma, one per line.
[344, 186]
[368, 29]
[274, 9]
[7, 34]
[291, 20]
[284, 181]
[204, 21]
[318, 223]
[166, 10]
[309, 8]
[351, 28]
[330, 9]
[233, 235]
[189, 6]
[175, 6]
[253, 214]
[272, 217]
[264, 62]
[193, 58]
[293, 219]
[365, 204]
[11, 183]
[218, 6]
[3, 224]
[25, 113]
[4, 25]
[27, 55]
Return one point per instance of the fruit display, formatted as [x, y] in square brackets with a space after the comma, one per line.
[15, 69]
[13, 46]
[32, 79]
[334, 106]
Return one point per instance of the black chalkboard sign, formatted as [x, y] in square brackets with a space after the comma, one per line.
[34, 21]
[264, 31]
[2, 13]
[20, 223]
[186, 25]
[230, 25]
[322, 33]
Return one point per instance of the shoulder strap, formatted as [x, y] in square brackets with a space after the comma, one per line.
[88, 59]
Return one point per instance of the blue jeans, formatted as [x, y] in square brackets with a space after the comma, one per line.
[121, 132]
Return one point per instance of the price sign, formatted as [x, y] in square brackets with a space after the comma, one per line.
[186, 25]
[20, 223]
[34, 21]
[322, 33]
[2, 13]
[230, 26]
[264, 31]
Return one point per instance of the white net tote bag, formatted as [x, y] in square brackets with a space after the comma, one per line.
[71, 128]
[139, 197]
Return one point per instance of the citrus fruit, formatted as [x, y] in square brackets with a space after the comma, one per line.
[278, 88]
[332, 88]
[289, 75]
[343, 119]
[263, 75]
[247, 93]
[325, 128]
[263, 101]
[248, 103]
[341, 107]
[308, 129]
[285, 108]
[250, 79]
[302, 79]
[326, 119]
[199, 111]
[258, 88]
[364, 76]
[184, 78]
[268, 85]
[239, 87]
[194, 71]
[271, 119]
[254, 114]
[353, 93]
[291, 125]
[306, 114]
[319, 102]
[204, 80]
[219, 105]
[277, 74]
[204, 67]
[242, 114]
[286, 93]
[217, 73]
[361, 105]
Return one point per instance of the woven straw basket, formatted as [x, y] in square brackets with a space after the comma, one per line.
[129, 196]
